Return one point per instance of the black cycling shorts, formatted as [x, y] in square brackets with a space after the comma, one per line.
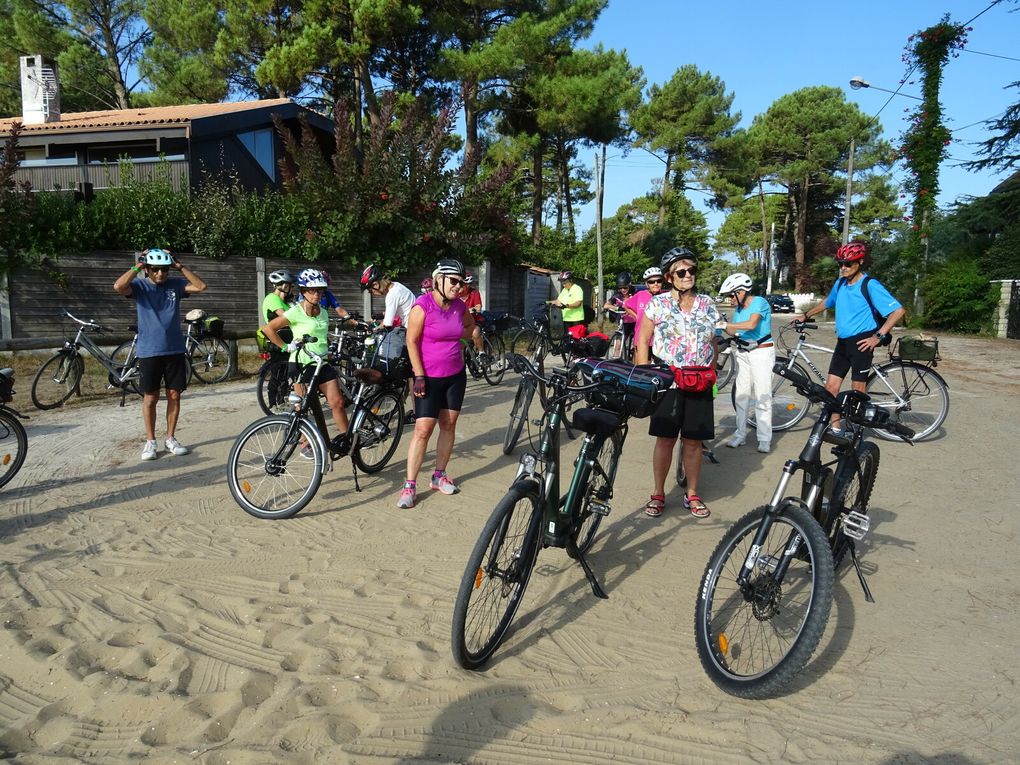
[689, 415]
[441, 393]
[303, 373]
[156, 371]
[847, 357]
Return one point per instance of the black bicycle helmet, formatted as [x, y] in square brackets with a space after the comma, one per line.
[448, 267]
[623, 279]
[371, 274]
[674, 255]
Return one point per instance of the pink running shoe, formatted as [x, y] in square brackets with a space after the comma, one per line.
[443, 483]
[407, 495]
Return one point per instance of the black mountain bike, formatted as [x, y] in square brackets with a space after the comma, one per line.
[767, 590]
[533, 514]
[13, 439]
[276, 465]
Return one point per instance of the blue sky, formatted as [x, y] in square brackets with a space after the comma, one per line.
[765, 50]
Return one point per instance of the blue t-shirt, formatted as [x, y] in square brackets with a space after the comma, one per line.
[755, 305]
[853, 315]
[159, 316]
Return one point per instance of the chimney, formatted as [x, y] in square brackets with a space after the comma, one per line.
[40, 91]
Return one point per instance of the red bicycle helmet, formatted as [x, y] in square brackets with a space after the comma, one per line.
[852, 251]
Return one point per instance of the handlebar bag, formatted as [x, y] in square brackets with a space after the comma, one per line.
[638, 389]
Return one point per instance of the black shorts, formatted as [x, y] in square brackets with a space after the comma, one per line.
[155, 372]
[302, 374]
[847, 357]
[628, 329]
[690, 415]
[441, 393]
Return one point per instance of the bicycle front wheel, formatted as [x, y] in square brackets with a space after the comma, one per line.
[851, 491]
[915, 395]
[518, 414]
[788, 405]
[496, 367]
[57, 379]
[210, 360]
[267, 473]
[753, 640]
[496, 576]
[599, 490]
[378, 432]
[273, 388]
[13, 446]
[126, 364]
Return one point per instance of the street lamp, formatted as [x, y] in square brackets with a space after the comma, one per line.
[859, 82]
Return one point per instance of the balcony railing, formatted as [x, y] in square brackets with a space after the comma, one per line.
[67, 177]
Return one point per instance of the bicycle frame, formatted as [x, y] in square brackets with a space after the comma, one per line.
[83, 341]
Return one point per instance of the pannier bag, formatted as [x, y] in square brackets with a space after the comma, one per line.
[594, 345]
[922, 349]
[390, 354]
[694, 379]
[640, 389]
[213, 327]
[6, 384]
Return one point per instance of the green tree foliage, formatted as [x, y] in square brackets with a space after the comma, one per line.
[17, 207]
[741, 233]
[182, 65]
[958, 297]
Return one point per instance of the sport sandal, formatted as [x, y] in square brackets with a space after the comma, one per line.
[698, 508]
[655, 505]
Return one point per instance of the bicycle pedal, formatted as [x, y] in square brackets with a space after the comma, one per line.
[599, 508]
[856, 525]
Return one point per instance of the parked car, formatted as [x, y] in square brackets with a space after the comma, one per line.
[780, 303]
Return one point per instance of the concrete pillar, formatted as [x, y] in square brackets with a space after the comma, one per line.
[484, 276]
[1000, 322]
[260, 280]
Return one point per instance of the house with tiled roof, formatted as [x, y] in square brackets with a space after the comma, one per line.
[89, 151]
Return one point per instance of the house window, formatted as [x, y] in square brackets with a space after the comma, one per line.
[133, 152]
[259, 144]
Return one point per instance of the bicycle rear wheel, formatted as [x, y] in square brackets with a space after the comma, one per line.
[266, 472]
[518, 414]
[124, 359]
[13, 446]
[57, 379]
[915, 395]
[599, 489]
[753, 642]
[378, 432]
[788, 405]
[210, 359]
[496, 576]
[851, 491]
[725, 368]
[274, 386]
[496, 367]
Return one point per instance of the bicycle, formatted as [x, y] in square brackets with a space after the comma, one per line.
[914, 394]
[13, 438]
[532, 514]
[621, 343]
[346, 354]
[266, 472]
[767, 589]
[208, 355]
[60, 375]
[491, 362]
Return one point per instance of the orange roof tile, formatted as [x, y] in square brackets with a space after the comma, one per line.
[156, 115]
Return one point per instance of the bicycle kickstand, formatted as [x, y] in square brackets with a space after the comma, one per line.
[860, 573]
[596, 588]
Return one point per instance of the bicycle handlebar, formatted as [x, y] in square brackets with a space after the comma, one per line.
[523, 366]
[92, 323]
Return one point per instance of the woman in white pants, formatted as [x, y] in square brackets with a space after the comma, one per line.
[752, 323]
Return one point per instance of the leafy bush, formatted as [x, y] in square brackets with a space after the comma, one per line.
[959, 297]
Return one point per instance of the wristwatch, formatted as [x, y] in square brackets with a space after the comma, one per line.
[883, 338]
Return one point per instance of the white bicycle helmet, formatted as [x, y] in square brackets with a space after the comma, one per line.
[650, 272]
[158, 257]
[311, 277]
[734, 282]
[469, 278]
[448, 268]
[283, 276]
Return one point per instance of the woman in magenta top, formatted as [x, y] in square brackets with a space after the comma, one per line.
[438, 321]
[635, 305]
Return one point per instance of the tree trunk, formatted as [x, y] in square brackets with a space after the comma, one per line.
[469, 94]
[537, 200]
[800, 234]
[665, 188]
[364, 75]
[120, 90]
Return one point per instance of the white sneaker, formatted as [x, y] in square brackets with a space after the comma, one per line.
[734, 441]
[174, 447]
[149, 452]
[764, 447]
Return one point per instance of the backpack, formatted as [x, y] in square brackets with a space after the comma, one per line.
[589, 314]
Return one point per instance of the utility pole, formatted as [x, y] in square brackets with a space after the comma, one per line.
[770, 260]
[849, 192]
[923, 267]
[598, 234]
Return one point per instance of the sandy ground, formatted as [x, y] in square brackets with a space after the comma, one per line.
[146, 617]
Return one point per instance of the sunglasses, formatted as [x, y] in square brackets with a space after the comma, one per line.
[682, 273]
[653, 281]
[846, 263]
[315, 290]
[159, 268]
[454, 281]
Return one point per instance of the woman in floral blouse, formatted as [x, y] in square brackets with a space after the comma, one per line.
[680, 325]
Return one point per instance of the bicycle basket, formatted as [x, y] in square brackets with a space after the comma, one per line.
[213, 327]
[389, 355]
[923, 349]
[640, 387]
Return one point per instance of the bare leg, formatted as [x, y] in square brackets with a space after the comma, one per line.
[149, 401]
[662, 458]
[335, 400]
[691, 455]
[833, 384]
[447, 437]
[423, 427]
[173, 411]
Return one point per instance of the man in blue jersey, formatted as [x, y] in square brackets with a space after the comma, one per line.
[865, 314]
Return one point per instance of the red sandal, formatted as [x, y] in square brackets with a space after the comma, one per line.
[655, 505]
[698, 508]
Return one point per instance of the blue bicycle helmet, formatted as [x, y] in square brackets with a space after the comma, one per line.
[311, 277]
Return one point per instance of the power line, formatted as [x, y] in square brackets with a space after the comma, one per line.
[993, 55]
